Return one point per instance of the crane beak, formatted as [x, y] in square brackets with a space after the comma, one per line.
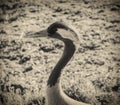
[38, 34]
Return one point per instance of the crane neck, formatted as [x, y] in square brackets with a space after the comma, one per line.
[68, 52]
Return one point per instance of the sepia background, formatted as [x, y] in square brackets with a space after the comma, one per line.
[92, 75]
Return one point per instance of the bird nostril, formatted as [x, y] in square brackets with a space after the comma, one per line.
[50, 34]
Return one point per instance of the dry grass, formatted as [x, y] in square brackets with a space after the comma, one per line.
[25, 63]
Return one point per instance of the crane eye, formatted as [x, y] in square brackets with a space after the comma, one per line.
[51, 31]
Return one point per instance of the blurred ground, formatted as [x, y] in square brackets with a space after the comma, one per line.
[93, 75]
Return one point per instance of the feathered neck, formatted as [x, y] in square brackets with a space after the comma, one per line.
[69, 50]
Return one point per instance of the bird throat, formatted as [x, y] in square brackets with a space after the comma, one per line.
[68, 52]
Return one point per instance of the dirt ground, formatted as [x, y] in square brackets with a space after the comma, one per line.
[93, 74]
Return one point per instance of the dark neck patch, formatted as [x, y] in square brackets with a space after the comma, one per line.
[67, 54]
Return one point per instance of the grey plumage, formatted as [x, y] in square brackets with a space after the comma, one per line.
[54, 92]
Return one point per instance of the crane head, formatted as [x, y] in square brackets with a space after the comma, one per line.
[56, 30]
[63, 30]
